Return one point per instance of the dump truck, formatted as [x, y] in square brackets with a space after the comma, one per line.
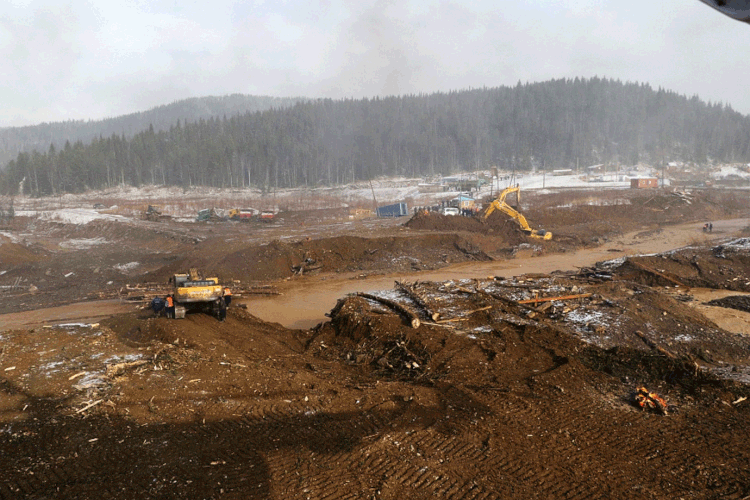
[194, 293]
[500, 204]
[243, 214]
[267, 216]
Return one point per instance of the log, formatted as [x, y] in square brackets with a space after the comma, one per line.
[654, 346]
[450, 320]
[119, 368]
[418, 299]
[552, 299]
[413, 319]
[465, 317]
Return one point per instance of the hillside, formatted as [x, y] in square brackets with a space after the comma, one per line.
[15, 140]
[554, 124]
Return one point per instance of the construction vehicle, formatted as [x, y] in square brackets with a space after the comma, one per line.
[153, 214]
[267, 215]
[243, 214]
[193, 293]
[499, 203]
[210, 215]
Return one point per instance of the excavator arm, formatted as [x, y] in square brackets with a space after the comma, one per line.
[500, 204]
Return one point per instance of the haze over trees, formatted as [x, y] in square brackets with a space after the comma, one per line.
[15, 140]
[553, 124]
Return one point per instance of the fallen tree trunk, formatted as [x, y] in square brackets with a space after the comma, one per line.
[465, 316]
[552, 299]
[413, 319]
[654, 345]
[418, 299]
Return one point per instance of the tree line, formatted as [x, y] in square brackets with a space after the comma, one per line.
[554, 124]
[15, 140]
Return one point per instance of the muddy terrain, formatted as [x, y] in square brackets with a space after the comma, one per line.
[500, 386]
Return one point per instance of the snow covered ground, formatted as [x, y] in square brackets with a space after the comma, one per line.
[731, 172]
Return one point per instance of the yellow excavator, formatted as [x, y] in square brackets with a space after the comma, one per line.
[500, 204]
[193, 292]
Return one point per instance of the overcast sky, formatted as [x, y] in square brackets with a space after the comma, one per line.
[94, 59]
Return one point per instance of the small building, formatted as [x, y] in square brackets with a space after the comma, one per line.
[463, 202]
[563, 171]
[644, 182]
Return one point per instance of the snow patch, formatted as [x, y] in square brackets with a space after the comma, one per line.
[584, 317]
[79, 216]
[731, 172]
[483, 329]
[122, 359]
[50, 368]
[12, 237]
[738, 244]
[91, 380]
[82, 243]
[124, 268]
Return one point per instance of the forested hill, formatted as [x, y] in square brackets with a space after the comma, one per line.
[16, 140]
[554, 124]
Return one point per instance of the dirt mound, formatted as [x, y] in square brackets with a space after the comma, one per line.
[500, 398]
[279, 259]
[591, 220]
[724, 267]
[608, 315]
[585, 220]
[739, 302]
[13, 254]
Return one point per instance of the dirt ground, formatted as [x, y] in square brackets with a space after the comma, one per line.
[512, 386]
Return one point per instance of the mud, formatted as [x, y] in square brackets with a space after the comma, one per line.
[739, 302]
[513, 386]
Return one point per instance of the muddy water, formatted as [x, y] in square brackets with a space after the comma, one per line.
[82, 312]
[305, 302]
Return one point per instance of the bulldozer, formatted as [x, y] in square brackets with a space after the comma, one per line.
[499, 203]
[153, 214]
[210, 215]
[194, 293]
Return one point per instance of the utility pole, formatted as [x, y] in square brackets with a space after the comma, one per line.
[374, 201]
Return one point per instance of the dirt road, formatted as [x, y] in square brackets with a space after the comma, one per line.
[305, 302]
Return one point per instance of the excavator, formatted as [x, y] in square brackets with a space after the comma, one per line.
[195, 293]
[500, 204]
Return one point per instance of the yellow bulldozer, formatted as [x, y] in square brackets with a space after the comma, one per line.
[499, 203]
